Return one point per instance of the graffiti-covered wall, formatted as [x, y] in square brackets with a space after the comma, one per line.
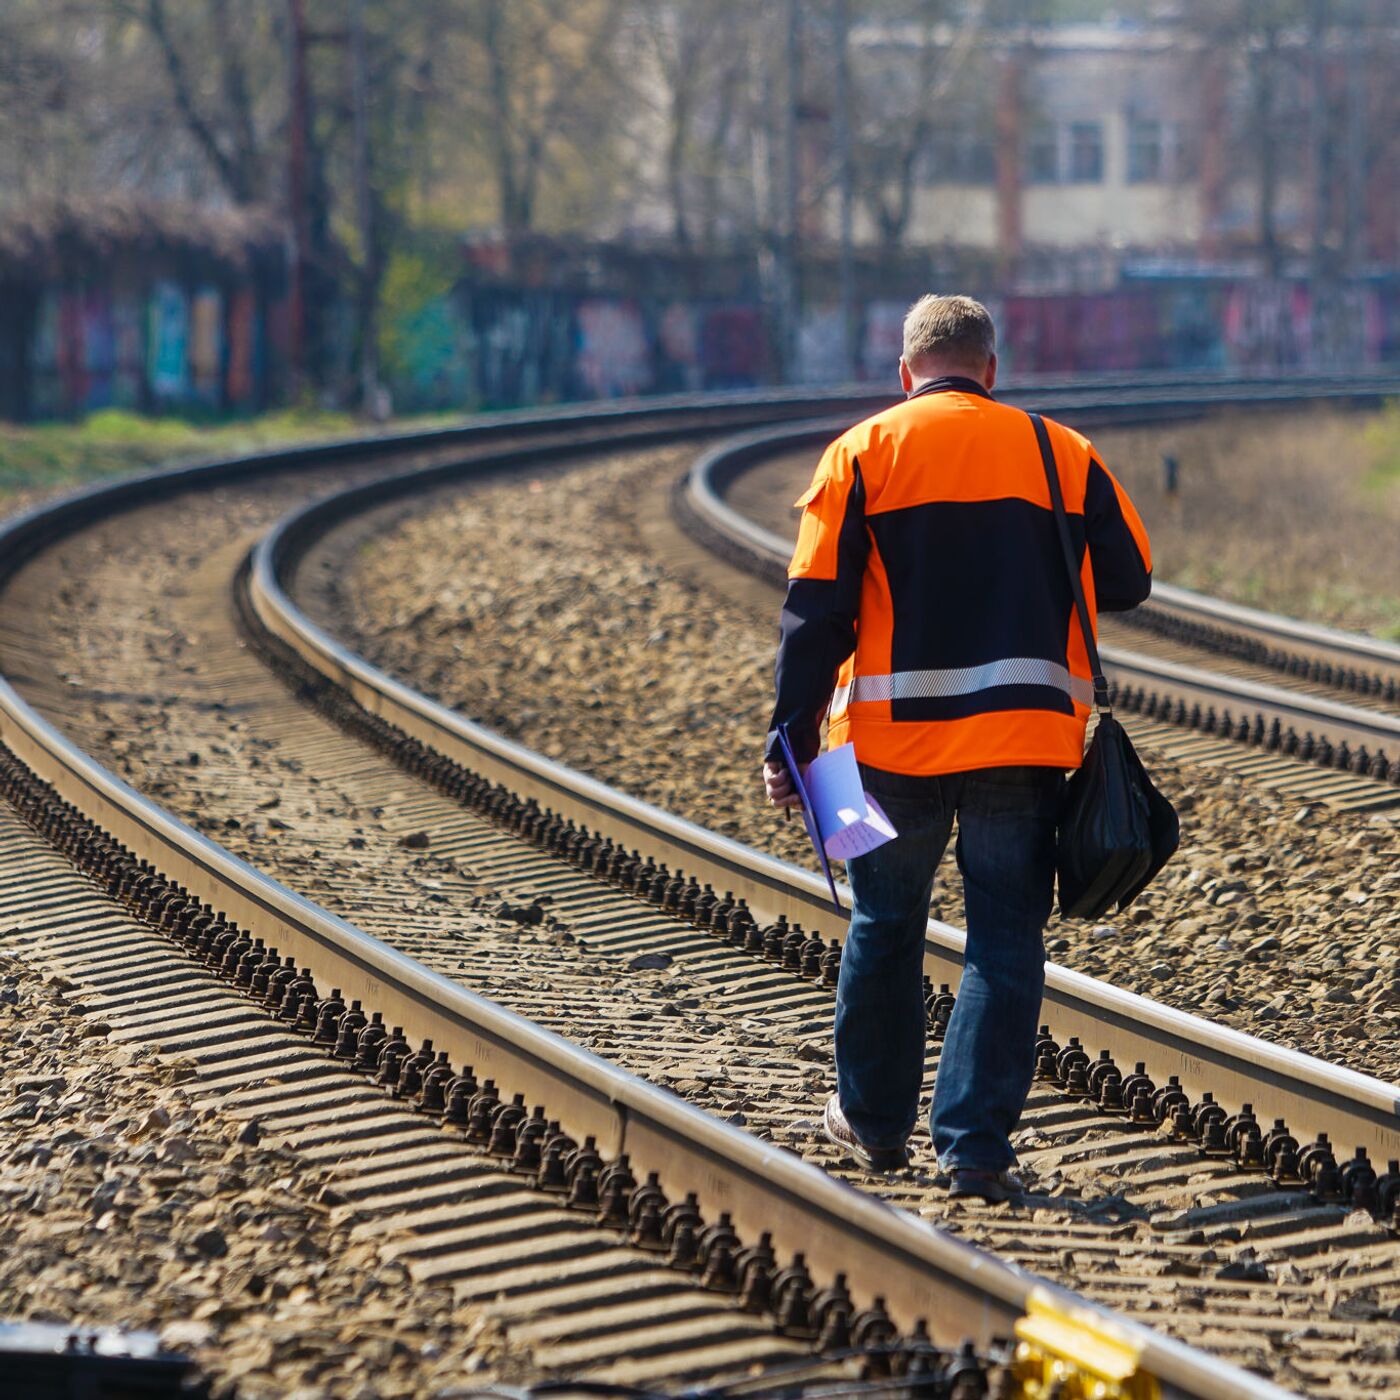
[501, 346]
[498, 347]
[160, 340]
[164, 347]
[1248, 325]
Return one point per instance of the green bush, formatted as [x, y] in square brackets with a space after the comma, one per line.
[111, 442]
[1382, 438]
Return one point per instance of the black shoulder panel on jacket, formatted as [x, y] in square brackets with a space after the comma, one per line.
[817, 633]
[1121, 577]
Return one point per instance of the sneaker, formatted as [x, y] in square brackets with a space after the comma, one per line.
[873, 1159]
[985, 1186]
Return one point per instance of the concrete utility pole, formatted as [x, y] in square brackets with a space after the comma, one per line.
[1211, 105]
[1009, 175]
[841, 37]
[297, 192]
[1319, 135]
[1354, 242]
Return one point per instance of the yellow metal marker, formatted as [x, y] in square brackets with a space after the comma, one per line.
[1073, 1357]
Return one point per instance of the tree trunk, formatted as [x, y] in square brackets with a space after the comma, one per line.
[231, 173]
[234, 80]
[1358, 94]
[514, 218]
[787, 226]
[297, 203]
[841, 38]
[675, 159]
[371, 265]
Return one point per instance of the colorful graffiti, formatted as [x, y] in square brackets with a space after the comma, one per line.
[883, 341]
[508, 348]
[499, 347]
[206, 346]
[168, 343]
[168, 348]
[172, 347]
[244, 351]
[820, 346]
[613, 358]
[678, 366]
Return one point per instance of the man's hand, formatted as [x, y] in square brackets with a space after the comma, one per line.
[778, 785]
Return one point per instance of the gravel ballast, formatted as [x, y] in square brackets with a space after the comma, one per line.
[538, 608]
[138, 663]
[126, 1204]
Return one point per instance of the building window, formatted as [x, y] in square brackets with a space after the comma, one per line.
[1145, 147]
[979, 160]
[1086, 153]
[959, 157]
[1042, 155]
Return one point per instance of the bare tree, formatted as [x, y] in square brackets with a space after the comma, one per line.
[1264, 43]
[905, 88]
[217, 57]
[1372, 139]
[44, 120]
[697, 50]
[393, 99]
[545, 87]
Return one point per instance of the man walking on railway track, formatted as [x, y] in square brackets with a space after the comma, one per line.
[929, 611]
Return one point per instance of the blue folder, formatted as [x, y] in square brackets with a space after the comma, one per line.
[809, 814]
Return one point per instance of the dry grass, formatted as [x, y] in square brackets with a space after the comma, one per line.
[1297, 513]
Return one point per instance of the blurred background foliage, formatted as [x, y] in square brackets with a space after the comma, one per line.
[371, 130]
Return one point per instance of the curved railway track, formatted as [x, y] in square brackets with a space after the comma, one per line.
[214, 905]
[1282, 687]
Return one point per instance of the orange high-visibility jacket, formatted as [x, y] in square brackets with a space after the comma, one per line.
[927, 603]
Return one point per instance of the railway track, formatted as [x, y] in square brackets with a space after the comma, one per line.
[922, 1273]
[1285, 689]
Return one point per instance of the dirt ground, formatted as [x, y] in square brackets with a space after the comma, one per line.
[1296, 513]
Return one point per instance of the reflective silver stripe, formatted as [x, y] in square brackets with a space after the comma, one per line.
[964, 680]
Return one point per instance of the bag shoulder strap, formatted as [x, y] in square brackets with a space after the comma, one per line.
[1081, 607]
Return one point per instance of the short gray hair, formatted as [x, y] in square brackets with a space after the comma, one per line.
[952, 328]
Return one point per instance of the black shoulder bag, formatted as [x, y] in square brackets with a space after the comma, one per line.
[1116, 830]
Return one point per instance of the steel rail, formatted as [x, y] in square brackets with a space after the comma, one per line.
[1235, 1066]
[1306, 640]
[23, 534]
[766, 553]
[920, 1271]
[1315, 1097]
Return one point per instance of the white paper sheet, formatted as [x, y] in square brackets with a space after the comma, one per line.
[851, 822]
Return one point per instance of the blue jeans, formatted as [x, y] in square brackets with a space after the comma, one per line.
[1006, 853]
